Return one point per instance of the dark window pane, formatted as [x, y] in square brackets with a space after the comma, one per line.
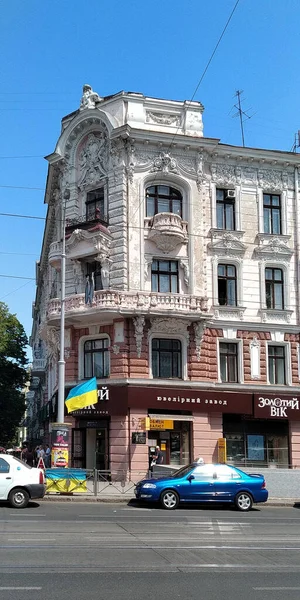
[163, 190]
[220, 217]
[231, 299]
[222, 292]
[176, 207]
[276, 221]
[174, 284]
[163, 205]
[150, 207]
[267, 222]
[166, 358]
[229, 217]
[154, 283]
[164, 284]
[267, 199]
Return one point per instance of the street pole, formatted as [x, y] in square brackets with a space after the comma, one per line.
[61, 362]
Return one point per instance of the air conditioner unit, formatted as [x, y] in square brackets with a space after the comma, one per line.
[230, 194]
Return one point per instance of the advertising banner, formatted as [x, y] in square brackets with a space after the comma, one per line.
[60, 445]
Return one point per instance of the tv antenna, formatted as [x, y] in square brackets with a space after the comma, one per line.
[241, 113]
[296, 143]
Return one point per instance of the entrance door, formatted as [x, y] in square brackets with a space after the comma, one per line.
[102, 459]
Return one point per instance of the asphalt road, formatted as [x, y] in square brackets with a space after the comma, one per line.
[62, 550]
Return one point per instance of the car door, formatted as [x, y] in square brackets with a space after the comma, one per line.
[226, 483]
[200, 486]
[5, 478]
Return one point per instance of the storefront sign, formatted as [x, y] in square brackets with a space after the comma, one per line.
[194, 400]
[222, 454]
[161, 424]
[138, 437]
[112, 400]
[277, 407]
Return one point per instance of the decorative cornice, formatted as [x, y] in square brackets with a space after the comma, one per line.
[275, 249]
[227, 244]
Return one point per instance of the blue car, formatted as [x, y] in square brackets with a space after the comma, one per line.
[204, 483]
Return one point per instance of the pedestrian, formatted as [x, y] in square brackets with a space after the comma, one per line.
[47, 457]
[159, 457]
[29, 457]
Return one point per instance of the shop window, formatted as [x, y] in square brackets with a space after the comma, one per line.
[276, 364]
[272, 213]
[164, 276]
[96, 358]
[161, 199]
[166, 359]
[274, 288]
[228, 362]
[225, 209]
[227, 285]
[95, 205]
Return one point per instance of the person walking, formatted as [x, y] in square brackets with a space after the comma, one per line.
[159, 457]
[47, 457]
[29, 457]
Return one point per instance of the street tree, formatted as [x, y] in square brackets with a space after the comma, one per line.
[13, 374]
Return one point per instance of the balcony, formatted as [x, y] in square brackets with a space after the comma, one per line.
[109, 303]
[38, 365]
[167, 231]
[86, 222]
[54, 256]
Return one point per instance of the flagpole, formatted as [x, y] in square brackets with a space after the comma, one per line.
[61, 362]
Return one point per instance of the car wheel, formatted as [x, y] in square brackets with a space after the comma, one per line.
[18, 498]
[243, 501]
[169, 499]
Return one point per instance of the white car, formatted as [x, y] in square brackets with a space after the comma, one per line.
[20, 483]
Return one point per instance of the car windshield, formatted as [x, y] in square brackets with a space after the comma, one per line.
[183, 471]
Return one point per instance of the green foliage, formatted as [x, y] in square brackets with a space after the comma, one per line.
[13, 374]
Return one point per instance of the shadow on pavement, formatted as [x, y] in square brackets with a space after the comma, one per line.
[191, 507]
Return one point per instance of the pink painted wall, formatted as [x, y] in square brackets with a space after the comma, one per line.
[206, 431]
[295, 443]
[118, 448]
[138, 452]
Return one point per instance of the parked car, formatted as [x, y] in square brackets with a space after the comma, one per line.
[19, 482]
[204, 483]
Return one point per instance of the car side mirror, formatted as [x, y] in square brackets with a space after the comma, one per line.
[190, 478]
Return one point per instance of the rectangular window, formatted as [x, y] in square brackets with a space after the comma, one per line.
[164, 276]
[227, 285]
[95, 205]
[228, 362]
[96, 358]
[276, 362]
[166, 359]
[272, 213]
[274, 288]
[225, 209]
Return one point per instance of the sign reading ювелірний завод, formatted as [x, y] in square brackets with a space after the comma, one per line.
[277, 407]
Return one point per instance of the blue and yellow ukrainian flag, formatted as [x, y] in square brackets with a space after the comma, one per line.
[82, 395]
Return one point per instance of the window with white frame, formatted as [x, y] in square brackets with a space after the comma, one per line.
[274, 283]
[272, 213]
[96, 358]
[277, 364]
[228, 357]
[225, 203]
[166, 358]
[227, 285]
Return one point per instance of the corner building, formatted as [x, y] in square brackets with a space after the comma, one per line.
[182, 283]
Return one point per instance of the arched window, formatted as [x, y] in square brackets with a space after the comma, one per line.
[163, 198]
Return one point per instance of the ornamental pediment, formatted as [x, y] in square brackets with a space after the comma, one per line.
[274, 248]
[227, 243]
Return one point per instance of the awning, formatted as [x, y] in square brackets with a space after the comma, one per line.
[175, 417]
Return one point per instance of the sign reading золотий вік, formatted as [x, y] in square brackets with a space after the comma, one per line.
[268, 406]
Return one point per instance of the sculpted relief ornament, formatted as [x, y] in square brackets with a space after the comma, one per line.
[89, 98]
[93, 159]
[170, 326]
[139, 324]
[165, 163]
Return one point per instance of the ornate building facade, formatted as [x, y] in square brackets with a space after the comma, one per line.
[182, 285]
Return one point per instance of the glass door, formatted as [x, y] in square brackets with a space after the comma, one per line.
[102, 458]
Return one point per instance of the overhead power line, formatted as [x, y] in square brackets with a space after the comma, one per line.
[18, 277]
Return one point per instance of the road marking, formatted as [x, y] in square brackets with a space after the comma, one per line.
[22, 514]
[31, 539]
[270, 589]
[20, 588]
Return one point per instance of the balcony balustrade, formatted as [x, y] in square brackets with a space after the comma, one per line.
[167, 230]
[128, 303]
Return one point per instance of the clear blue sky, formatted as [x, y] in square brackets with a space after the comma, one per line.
[50, 48]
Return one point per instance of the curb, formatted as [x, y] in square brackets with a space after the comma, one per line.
[281, 503]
